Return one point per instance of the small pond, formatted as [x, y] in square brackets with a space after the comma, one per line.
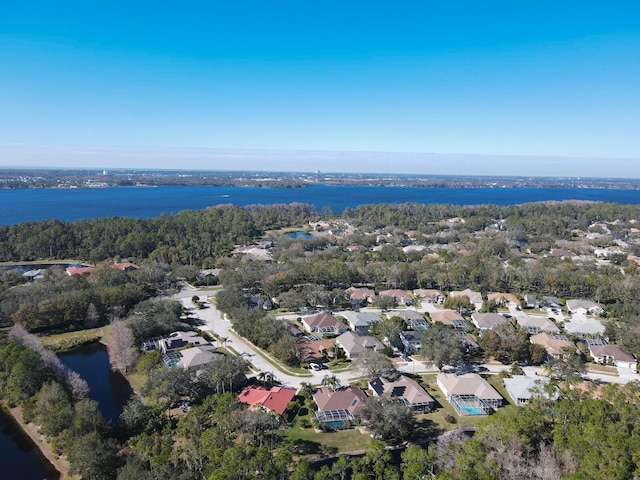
[300, 235]
[110, 389]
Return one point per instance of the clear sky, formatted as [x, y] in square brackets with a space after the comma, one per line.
[490, 86]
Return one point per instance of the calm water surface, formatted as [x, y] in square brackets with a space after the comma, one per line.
[108, 388]
[19, 459]
[73, 204]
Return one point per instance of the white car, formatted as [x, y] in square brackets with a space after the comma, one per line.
[314, 366]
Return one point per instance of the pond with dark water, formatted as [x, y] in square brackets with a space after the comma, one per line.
[18, 456]
[110, 389]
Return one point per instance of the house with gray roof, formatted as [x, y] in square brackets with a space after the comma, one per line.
[195, 358]
[522, 389]
[584, 307]
[470, 394]
[582, 326]
[178, 340]
[536, 324]
[487, 321]
[353, 344]
[411, 340]
[360, 321]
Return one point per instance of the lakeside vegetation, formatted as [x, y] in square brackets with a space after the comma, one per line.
[494, 249]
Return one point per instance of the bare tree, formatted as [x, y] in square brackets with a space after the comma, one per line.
[121, 346]
[78, 386]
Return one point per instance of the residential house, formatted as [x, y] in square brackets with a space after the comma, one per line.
[450, 317]
[470, 394]
[474, 297]
[194, 358]
[339, 407]
[360, 321]
[429, 295]
[254, 252]
[178, 340]
[404, 389]
[487, 321]
[406, 315]
[613, 354]
[79, 270]
[125, 266]
[274, 399]
[536, 324]
[401, 297]
[354, 344]
[411, 340]
[522, 389]
[359, 297]
[504, 299]
[531, 301]
[314, 351]
[553, 343]
[419, 324]
[582, 326]
[584, 307]
[323, 324]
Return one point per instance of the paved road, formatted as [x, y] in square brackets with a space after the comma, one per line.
[214, 322]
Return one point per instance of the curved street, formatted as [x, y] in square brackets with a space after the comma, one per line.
[213, 321]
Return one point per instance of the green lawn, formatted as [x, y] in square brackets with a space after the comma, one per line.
[60, 342]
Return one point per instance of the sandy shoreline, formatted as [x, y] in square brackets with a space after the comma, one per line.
[59, 463]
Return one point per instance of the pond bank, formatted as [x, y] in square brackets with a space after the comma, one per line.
[49, 460]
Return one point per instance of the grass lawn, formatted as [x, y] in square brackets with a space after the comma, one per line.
[443, 408]
[606, 369]
[60, 342]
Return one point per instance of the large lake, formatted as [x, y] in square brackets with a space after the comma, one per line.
[23, 205]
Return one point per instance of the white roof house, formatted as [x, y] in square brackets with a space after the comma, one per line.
[521, 388]
[583, 326]
[582, 306]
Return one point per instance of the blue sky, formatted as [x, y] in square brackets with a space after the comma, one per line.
[252, 84]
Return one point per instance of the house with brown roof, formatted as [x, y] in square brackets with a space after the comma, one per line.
[429, 295]
[274, 400]
[75, 270]
[401, 297]
[613, 353]
[504, 299]
[553, 343]
[474, 297]
[125, 266]
[339, 407]
[313, 351]
[449, 317]
[323, 324]
[359, 297]
[404, 389]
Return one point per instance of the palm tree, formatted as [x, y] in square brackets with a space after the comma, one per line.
[331, 381]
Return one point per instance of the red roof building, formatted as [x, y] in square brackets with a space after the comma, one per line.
[276, 399]
[79, 270]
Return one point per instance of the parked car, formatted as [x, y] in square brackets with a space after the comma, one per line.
[314, 366]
